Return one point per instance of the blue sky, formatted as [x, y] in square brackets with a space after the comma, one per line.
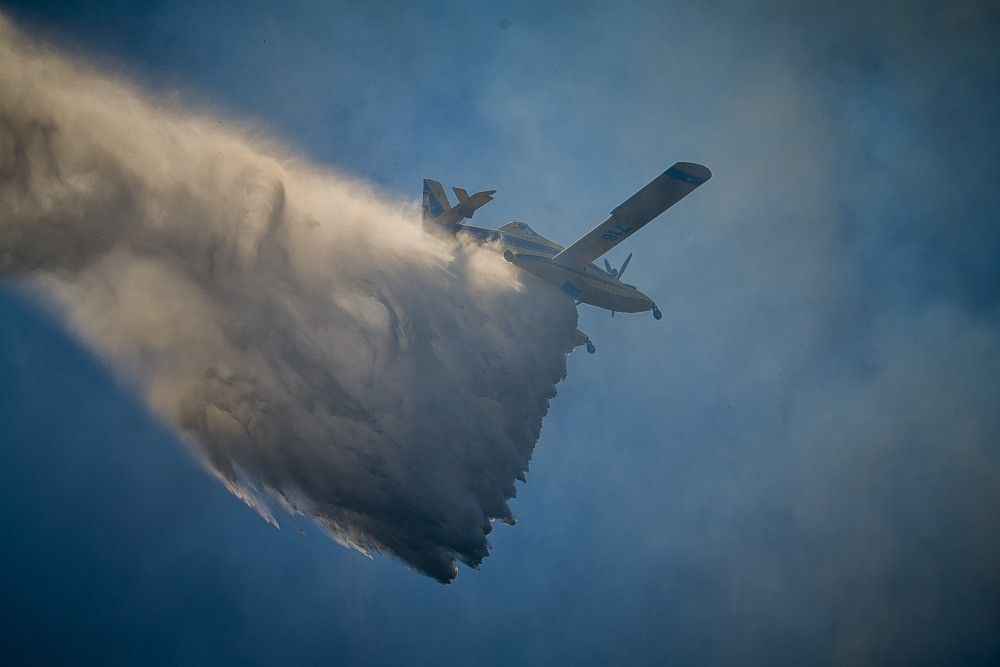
[797, 464]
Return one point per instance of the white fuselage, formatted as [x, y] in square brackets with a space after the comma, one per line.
[533, 253]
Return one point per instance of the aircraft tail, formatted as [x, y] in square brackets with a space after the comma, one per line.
[435, 202]
[437, 212]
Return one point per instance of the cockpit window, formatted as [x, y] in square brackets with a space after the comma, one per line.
[518, 227]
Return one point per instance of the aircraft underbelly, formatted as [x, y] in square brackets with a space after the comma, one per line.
[578, 285]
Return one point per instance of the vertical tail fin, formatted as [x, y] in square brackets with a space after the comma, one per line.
[435, 203]
[438, 213]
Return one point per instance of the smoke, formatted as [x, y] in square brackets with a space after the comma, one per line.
[317, 349]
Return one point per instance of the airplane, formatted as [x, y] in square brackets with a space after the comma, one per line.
[570, 269]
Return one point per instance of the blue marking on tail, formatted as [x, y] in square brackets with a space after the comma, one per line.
[431, 206]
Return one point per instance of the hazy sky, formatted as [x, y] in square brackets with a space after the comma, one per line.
[799, 463]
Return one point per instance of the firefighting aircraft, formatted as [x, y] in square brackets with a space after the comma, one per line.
[570, 269]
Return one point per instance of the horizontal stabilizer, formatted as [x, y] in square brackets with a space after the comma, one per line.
[438, 211]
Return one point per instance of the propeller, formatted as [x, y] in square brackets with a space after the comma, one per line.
[621, 271]
[617, 273]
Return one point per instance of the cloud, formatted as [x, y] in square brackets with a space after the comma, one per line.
[822, 469]
[320, 352]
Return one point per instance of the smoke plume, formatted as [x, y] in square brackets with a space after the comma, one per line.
[319, 351]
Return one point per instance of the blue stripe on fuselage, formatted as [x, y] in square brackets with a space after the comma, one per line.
[493, 235]
[571, 289]
[535, 258]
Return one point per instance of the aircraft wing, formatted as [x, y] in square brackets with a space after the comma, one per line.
[630, 216]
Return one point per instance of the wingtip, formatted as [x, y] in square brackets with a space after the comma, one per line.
[693, 173]
[699, 170]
